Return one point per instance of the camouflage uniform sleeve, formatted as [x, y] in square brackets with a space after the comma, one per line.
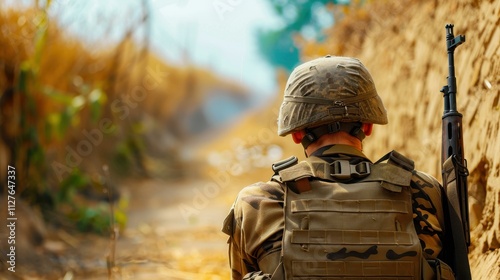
[428, 215]
[257, 275]
[257, 229]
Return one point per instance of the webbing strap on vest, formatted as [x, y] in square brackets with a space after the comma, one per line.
[283, 164]
[398, 159]
[343, 170]
[314, 167]
[359, 230]
[367, 237]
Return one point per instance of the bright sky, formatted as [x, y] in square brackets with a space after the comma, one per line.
[216, 34]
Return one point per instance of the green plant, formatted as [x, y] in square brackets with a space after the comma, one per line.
[48, 111]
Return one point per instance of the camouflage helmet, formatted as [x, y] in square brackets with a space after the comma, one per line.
[330, 89]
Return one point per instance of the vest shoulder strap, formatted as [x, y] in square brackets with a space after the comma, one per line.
[281, 165]
[285, 163]
[397, 171]
[395, 158]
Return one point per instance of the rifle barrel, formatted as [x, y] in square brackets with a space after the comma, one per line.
[451, 44]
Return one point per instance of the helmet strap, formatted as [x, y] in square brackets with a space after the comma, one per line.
[313, 134]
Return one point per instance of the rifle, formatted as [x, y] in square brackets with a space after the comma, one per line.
[454, 168]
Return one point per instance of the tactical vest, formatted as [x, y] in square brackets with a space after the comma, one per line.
[336, 230]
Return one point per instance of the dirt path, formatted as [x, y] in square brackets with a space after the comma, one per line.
[173, 232]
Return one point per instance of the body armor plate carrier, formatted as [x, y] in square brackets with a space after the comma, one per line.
[335, 230]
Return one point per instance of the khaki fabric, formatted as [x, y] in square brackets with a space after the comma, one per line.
[356, 230]
[256, 220]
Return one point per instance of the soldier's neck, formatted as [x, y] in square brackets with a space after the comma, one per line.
[334, 139]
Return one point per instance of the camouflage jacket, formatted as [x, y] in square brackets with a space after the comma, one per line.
[256, 222]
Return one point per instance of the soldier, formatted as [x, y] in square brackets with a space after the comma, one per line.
[337, 214]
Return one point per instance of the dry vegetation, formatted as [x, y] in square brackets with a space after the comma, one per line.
[125, 83]
[55, 91]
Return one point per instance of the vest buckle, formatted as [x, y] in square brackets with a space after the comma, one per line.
[343, 170]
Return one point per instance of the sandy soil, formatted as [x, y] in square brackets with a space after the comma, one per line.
[162, 240]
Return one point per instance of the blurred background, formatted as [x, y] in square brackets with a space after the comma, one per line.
[132, 125]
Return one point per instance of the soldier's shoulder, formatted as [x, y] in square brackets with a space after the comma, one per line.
[261, 189]
[426, 187]
[418, 177]
[253, 195]
[424, 179]
[258, 204]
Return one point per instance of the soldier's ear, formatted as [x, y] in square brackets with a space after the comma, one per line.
[367, 128]
[297, 136]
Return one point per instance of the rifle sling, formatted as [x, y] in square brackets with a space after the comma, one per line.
[454, 231]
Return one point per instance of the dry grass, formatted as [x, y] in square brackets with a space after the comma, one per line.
[64, 71]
